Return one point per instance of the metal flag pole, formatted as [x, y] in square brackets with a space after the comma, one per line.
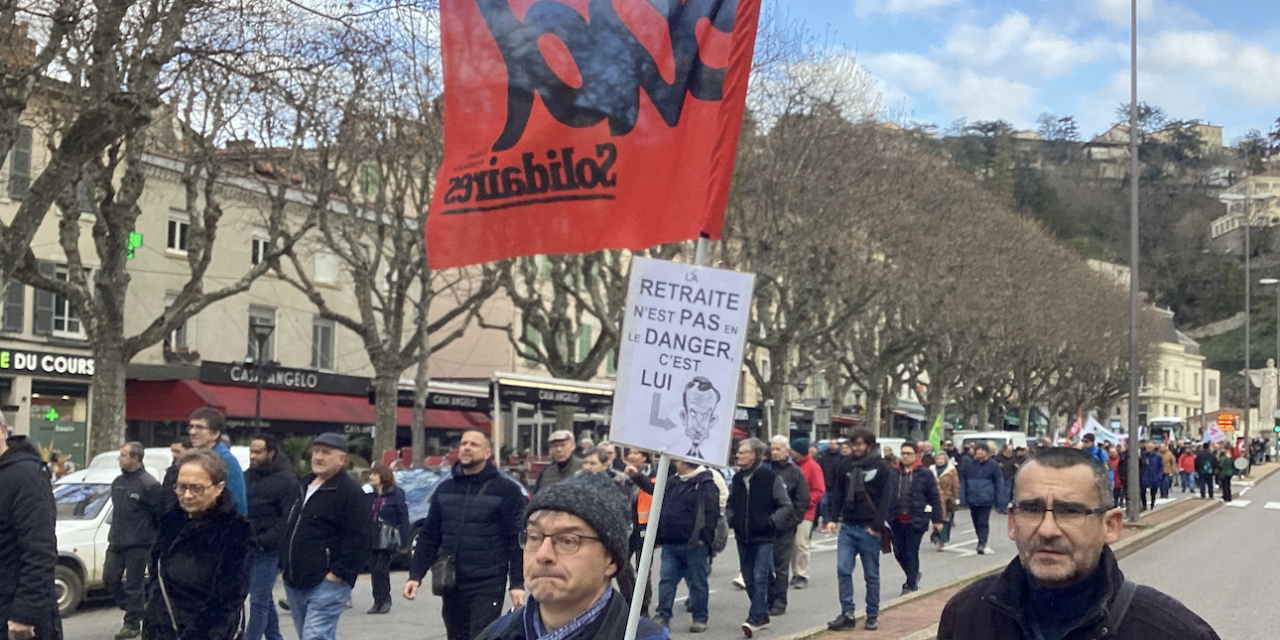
[1135, 375]
[655, 509]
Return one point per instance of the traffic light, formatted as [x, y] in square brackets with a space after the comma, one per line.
[1276, 428]
[960, 427]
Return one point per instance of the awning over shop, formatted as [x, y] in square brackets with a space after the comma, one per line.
[909, 408]
[174, 400]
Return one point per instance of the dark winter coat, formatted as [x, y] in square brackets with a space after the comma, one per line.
[394, 512]
[137, 505]
[1206, 463]
[327, 534]
[924, 493]
[611, 625]
[168, 487]
[481, 532]
[203, 562]
[1152, 469]
[28, 545]
[680, 509]
[853, 509]
[996, 608]
[555, 472]
[797, 490]
[829, 461]
[271, 492]
[757, 514]
[981, 483]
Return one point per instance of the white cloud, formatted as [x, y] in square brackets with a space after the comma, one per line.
[1016, 46]
[962, 93]
[1120, 12]
[1187, 72]
[864, 8]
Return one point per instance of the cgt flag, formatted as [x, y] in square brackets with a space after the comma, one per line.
[578, 125]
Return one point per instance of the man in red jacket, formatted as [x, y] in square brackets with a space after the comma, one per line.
[817, 487]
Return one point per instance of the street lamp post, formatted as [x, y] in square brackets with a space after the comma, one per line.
[1248, 200]
[261, 333]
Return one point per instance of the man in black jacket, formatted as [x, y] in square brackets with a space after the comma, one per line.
[272, 490]
[178, 447]
[1065, 582]
[758, 508]
[1206, 469]
[28, 544]
[785, 541]
[137, 504]
[829, 461]
[915, 502]
[860, 499]
[686, 533]
[474, 523]
[327, 541]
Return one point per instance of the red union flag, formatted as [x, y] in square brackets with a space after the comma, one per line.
[578, 125]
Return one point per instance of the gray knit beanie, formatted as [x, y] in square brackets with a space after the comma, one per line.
[595, 498]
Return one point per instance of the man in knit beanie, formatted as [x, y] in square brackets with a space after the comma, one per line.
[575, 540]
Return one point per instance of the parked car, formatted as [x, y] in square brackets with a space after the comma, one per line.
[83, 502]
[418, 486]
[1000, 438]
[152, 458]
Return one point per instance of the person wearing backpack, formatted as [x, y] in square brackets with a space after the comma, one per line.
[1206, 469]
[1065, 582]
[687, 534]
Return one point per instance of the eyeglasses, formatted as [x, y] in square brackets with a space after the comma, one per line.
[196, 490]
[1031, 515]
[564, 544]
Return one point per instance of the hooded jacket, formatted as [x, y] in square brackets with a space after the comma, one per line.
[998, 608]
[481, 532]
[924, 493]
[814, 477]
[328, 533]
[271, 492]
[1152, 469]
[680, 509]
[203, 562]
[28, 546]
[948, 487]
[981, 483]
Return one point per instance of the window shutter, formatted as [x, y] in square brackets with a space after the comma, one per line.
[20, 165]
[14, 311]
[43, 325]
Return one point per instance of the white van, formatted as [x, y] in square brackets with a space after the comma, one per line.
[1000, 438]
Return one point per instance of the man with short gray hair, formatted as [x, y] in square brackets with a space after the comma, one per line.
[1065, 582]
[758, 509]
[137, 504]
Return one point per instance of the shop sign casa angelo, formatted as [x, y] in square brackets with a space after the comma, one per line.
[40, 363]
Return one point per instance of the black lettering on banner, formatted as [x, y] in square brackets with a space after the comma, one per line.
[564, 174]
[612, 62]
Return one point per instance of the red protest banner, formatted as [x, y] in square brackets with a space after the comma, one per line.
[578, 125]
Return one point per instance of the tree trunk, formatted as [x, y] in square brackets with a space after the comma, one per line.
[386, 382]
[422, 378]
[1024, 417]
[875, 402]
[564, 418]
[107, 419]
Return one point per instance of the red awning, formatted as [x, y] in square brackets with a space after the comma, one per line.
[174, 400]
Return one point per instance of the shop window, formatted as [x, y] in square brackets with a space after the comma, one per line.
[179, 228]
[20, 164]
[15, 300]
[322, 347]
[262, 316]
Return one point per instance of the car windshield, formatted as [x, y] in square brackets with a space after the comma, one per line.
[80, 501]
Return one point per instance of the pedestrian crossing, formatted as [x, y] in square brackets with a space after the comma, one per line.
[1239, 504]
[1272, 505]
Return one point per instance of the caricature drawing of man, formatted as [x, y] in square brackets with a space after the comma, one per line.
[699, 414]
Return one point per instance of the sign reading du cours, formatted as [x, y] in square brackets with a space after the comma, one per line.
[680, 360]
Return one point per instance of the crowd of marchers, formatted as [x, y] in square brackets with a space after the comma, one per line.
[187, 552]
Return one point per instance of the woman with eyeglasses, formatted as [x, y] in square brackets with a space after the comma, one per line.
[199, 565]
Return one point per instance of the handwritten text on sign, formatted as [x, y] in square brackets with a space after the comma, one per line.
[680, 360]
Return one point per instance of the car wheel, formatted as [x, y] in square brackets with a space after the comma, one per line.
[69, 588]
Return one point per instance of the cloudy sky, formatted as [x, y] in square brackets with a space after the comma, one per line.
[1217, 61]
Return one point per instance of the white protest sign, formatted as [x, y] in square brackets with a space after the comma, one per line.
[680, 360]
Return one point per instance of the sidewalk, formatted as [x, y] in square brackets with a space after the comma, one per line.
[915, 617]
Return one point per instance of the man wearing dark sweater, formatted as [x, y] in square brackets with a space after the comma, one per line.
[860, 495]
[758, 508]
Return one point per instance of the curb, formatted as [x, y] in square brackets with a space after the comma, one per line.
[1121, 549]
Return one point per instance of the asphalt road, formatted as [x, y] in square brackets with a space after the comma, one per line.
[1222, 565]
[420, 620]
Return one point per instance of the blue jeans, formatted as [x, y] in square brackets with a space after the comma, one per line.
[1188, 483]
[263, 618]
[981, 522]
[756, 561]
[855, 542]
[1166, 483]
[316, 610]
[682, 562]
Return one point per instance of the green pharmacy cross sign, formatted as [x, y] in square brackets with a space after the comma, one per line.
[52, 415]
[135, 241]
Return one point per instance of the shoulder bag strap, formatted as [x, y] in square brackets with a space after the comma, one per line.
[699, 520]
[1119, 607]
[165, 592]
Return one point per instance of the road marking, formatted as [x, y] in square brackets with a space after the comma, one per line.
[1272, 505]
[683, 598]
[1164, 501]
[1245, 490]
[1240, 504]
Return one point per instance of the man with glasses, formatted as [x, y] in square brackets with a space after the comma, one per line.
[563, 463]
[473, 526]
[1065, 582]
[575, 542]
[205, 427]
